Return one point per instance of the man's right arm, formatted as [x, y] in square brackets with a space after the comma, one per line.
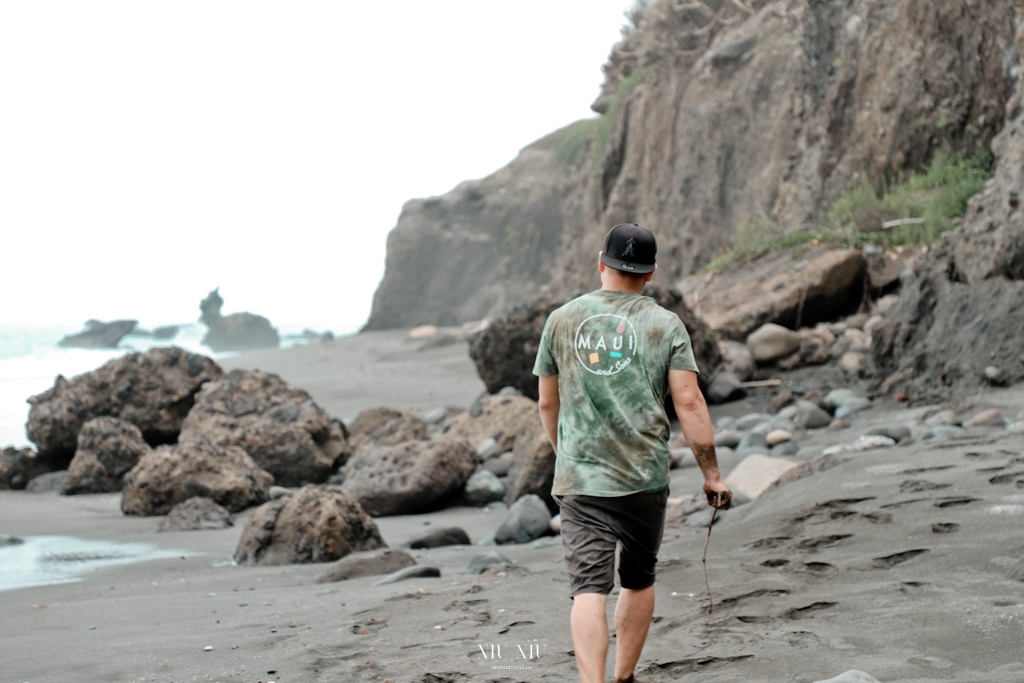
[693, 415]
[549, 406]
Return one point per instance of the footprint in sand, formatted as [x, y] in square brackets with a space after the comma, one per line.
[920, 486]
[945, 527]
[748, 597]
[820, 542]
[878, 517]
[773, 542]
[1008, 478]
[890, 561]
[775, 563]
[922, 470]
[953, 501]
[809, 611]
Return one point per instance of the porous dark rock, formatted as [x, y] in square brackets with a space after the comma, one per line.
[367, 563]
[278, 425]
[407, 427]
[528, 519]
[100, 335]
[235, 332]
[108, 448]
[196, 513]
[533, 464]
[47, 482]
[317, 524]
[411, 477]
[738, 359]
[18, 466]
[437, 538]
[172, 474]
[377, 420]
[152, 390]
[504, 351]
[498, 417]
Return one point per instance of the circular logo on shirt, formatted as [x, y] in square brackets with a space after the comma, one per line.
[605, 344]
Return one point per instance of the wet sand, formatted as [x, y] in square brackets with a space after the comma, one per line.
[841, 570]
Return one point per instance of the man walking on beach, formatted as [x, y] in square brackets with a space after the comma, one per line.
[606, 362]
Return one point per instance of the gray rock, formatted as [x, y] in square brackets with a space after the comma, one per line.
[556, 524]
[753, 442]
[488, 539]
[437, 538]
[854, 405]
[196, 513]
[751, 420]
[893, 431]
[100, 335]
[483, 487]
[936, 432]
[838, 397]
[944, 417]
[787, 413]
[482, 563]
[533, 464]
[729, 438]
[44, 483]
[994, 375]
[785, 449]
[810, 416]
[527, 519]
[488, 448]
[738, 359]
[770, 342]
[852, 676]
[724, 387]
[413, 572]
[368, 563]
[727, 460]
[509, 391]
[725, 423]
[702, 517]
[498, 466]
[276, 492]
[435, 416]
[779, 422]
[235, 332]
[7, 539]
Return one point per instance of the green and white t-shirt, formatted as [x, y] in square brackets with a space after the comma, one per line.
[612, 351]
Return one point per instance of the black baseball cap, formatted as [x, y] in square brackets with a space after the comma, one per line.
[630, 248]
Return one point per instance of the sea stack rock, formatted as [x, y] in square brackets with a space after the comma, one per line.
[235, 332]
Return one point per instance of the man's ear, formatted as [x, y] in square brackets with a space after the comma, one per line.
[647, 278]
[600, 263]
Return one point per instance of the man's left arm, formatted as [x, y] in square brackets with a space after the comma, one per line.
[549, 405]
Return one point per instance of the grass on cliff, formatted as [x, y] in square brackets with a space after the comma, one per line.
[570, 148]
[607, 120]
[935, 197]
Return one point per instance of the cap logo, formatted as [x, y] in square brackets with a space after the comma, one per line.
[629, 248]
[628, 266]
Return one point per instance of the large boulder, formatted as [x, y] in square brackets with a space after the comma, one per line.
[505, 349]
[108, 448]
[19, 466]
[278, 425]
[497, 417]
[770, 342]
[528, 518]
[316, 524]
[533, 464]
[404, 425]
[100, 335]
[738, 299]
[412, 477]
[172, 474]
[235, 332]
[152, 390]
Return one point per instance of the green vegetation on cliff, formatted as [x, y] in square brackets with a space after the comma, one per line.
[928, 202]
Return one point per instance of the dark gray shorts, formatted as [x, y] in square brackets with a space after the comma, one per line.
[591, 525]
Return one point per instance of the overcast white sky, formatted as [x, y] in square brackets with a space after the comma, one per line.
[150, 151]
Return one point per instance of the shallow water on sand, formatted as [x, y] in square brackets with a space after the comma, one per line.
[46, 560]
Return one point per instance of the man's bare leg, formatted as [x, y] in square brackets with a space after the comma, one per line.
[633, 614]
[590, 635]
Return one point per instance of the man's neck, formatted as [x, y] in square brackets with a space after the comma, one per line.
[622, 284]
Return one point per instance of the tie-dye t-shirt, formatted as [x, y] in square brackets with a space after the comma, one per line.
[612, 351]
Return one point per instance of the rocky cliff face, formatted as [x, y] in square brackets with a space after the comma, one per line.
[484, 246]
[718, 115]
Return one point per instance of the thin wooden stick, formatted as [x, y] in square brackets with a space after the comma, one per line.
[704, 561]
[761, 383]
